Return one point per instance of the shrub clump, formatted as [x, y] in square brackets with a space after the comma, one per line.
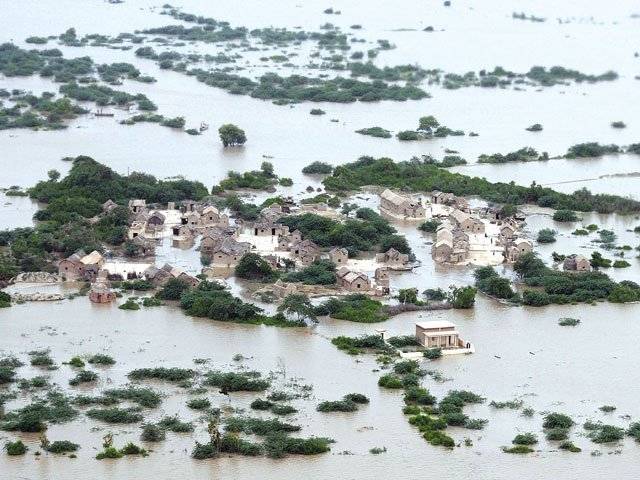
[115, 415]
[237, 382]
[557, 420]
[84, 376]
[161, 373]
[15, 448]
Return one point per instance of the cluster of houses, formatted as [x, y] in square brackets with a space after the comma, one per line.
[576, 263]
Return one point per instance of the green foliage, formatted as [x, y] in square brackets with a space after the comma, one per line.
[557, 420]
[420, 176]
[175, 425]
[62, 446]
[418, 396]
[557, 434]
[390, 380]
[344, 405]
[109, 452]
[536, 127]
[231, 135]
[355, 345]
[83, 376]
[409, 136]
[518, 449]
[403, 341]
[320, 272]
[173, 289]
[360, 234]
[174, 374]
[546, 235]
[591, 149]
[258, 426]
[430, 226]
[491, 283]
[526, 154]
[253, 267]
[236, 382]
[605, 433]
[138, 284]
[15, 448]
[568, 322]
[278, 445]
[130, 304]
[525, 439]
[199, 403]
[317, 167]
[115, 415]
[298, 305]
[634, 431]
[100, 359]
[565, 216]
[354, 308]
[152, 433]
[377, 132]
[570, 447]
[144, 397]
[432, 353]
[462, 297]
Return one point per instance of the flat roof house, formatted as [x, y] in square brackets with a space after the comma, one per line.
[437, 334]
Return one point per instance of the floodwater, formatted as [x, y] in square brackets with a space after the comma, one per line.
[521, 352]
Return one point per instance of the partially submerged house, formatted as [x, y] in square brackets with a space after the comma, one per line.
[266, 229]
[394, 259]
[401, 205]
[517, 247]
[137, 205]
[227, 252]
[466, 222]
[439, 334]
[306, 251]
[353, 281]
[81, 266]
[211, 216]
[339, 256]
[100, 290]
[160, 276]
[576, 263]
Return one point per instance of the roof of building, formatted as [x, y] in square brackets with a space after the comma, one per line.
[460, 216]
[342, 271]
[157, 215]
[210, 209]
[340, 250]
[435, 324]
[395, 198]
[230, 247]
[353, 276]
[91, 259]
[444, 333]
[137, 202]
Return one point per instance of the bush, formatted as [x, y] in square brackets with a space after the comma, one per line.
[557, 434]
[15, 448]
[606, 434]
[519, 449]
[173, 289]
[568, 322]
[277, 446]
[570, 447]
[565, 216]
[377, 132]
[320, 272]
[84, 376]
[162, 373]
[408, 136]
[76, 362]
[337, 406]
[145, 397]
[546, 235]
[253, 267]
[115, 415]
[418, 396]
[432, 353]
[525, 439]
[357, 398]
[430, 226]
[236, 382]
[557, 420]
[462, 297]
[318, 168]
[354, 345]
[152, 433]
[173, 424]
[109, 452]
[403, 341]
[62, 446]
[100, 359]
[199, 403]
[390, 380]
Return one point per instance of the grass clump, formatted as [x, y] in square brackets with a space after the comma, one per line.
[278, 446]
[84, 376]
[109, 452]
[602, 433]
[258, 426]
[76, 362]
[161, 373]
[236, 382]
[634, 431]
[518, 449]
[152, 433]
[343, 405]
[557, 420]
[377, 132]
[100, 359]
[199, 403]
[607, 408]
[557, 434]
[174, 424]
[390, 380]
[62, 446]
[145, 397]
[510, 404]
[525, 439]
[570, 447]
[356, 345]
[568, 322]
[414, 395]
[15, 448]
[115, 415]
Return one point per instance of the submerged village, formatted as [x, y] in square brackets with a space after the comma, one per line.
[258, 240]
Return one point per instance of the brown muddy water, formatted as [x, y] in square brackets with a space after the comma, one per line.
[521, 352]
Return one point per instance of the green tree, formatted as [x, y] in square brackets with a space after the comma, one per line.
[173, 289]
[462, 297]
[298, 305]
[253, 267]
[231, 135]
[53, 175]
[428, 124]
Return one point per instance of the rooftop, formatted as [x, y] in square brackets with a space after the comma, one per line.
[433, 324]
